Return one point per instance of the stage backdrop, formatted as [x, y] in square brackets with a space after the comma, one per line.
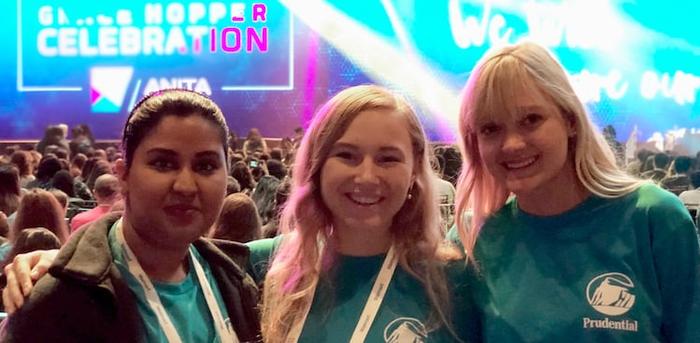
[270, 64]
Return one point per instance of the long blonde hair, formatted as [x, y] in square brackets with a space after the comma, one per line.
[490, 90]
[306, 221]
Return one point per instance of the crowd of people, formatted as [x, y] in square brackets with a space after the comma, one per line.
[358, 229]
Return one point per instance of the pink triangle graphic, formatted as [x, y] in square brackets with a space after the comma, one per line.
[94, 95]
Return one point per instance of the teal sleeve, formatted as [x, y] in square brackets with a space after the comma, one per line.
[466, 320]
[261, 253]
[677, 263]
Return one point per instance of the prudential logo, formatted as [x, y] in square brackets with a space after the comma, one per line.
[610, 294]
[108, 87]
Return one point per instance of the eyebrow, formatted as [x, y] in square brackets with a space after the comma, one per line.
[354, 147]
[528, 109]
[173, 153]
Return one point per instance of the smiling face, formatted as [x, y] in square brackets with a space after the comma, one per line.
[368, 172]
[528, 151]
[176, 181]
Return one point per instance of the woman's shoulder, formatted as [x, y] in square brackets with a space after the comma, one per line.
[261, 253]
[264, 246]
[652, 197]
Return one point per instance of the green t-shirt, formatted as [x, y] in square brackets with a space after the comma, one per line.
[341, 296]
[609, 270]
[184, 301]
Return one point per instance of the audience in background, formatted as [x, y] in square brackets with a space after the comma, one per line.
[31, 239]
[9, 189]
[678, 181]
[659, 167]
[254, 142]
[38, 208]
[243, 175]
[270, 229]
[48, 167]
[691, 198]
[232, 185]
[76, 165]
[54, 135]
[106, 192]
[24, 162]
[238, 220]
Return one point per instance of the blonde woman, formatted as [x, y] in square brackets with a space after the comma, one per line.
[361, 219]
[567, 246]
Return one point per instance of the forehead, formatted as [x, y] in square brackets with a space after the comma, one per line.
[378, 128]
[188, 134]
[505, 90]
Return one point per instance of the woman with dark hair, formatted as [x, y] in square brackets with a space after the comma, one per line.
[64, 182]
[48, 167]
[23, 161]
[146, 274]
[238, 220]
[242, 174]
[9, 189]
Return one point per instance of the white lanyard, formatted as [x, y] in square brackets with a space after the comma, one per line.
[374, 301]
[226, 333]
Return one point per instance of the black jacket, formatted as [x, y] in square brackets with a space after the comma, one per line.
[85, 299]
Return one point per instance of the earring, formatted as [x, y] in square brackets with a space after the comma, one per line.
[410, 196]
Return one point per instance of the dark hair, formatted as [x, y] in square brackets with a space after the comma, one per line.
[22, 161]
[48, 167]
[643, 154]
[276, 154]
[242, 174]
[695, 179]
[682, 164]
[101, 167]
[264, 197]
[88, 167]
[32, 239]
[453, 164]
[238, 220]
[661, 160]
[39, 208]
[64, 181]
[9, 189]
[276, 168]
[178, 102]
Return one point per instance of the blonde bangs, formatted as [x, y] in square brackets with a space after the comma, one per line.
[504, 78]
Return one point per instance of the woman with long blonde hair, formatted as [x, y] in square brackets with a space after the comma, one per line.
[566, 246]
[362, 203]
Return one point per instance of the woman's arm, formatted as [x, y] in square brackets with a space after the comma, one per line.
[21, 275]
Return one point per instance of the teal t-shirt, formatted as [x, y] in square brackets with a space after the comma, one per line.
[610, 270]
[342, 294]
[184, 301]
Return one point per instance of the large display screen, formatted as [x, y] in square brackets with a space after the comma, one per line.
[270, 64]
